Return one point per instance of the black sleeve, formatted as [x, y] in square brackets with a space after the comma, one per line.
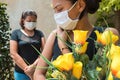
[40, 33]
[14, 35]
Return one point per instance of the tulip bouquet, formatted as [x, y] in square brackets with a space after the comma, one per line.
[76, 65]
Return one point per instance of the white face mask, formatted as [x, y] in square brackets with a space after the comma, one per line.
[62, 19]
[30, 25]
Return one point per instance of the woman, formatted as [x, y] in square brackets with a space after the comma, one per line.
[21, 51]
[69, 15]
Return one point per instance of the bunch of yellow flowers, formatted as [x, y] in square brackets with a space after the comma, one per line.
[71, 68]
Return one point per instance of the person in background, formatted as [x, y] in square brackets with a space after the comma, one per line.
[69, 15]
[21, 42]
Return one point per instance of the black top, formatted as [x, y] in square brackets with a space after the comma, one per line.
[25, 50]
[91, 49]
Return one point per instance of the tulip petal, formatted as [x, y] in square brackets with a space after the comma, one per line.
[64, 62]
[80, 36]
[77, 69]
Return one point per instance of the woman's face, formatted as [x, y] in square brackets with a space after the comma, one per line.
[61, 5]
[30, 22]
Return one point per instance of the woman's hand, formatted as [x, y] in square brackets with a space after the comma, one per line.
[29, 70]
[62, 39]
[62, 34]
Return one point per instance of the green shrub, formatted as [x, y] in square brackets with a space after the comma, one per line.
[6, 64]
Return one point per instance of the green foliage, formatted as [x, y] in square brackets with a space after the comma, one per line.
[6, 64]
[105, 16]
[106, 11]
[109, 5]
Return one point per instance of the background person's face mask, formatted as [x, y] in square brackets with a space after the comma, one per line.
[30, 25]
[63, 21]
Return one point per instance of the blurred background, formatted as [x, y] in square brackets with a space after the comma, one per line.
[43, 8]
[45, 21]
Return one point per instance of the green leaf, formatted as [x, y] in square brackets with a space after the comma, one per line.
[52, 79]
[92, 75]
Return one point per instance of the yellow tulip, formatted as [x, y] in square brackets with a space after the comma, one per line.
[114, 55]
[80, 36]
[115, 65]
[64, 62]
[118, 74]
[57, 62]
[77, 69]
[115, 50]
[81, 49]
[106, 37]
[98, 36]
[110, 77]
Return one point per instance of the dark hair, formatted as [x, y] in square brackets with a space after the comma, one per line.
[25, 14]
[91, 6]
